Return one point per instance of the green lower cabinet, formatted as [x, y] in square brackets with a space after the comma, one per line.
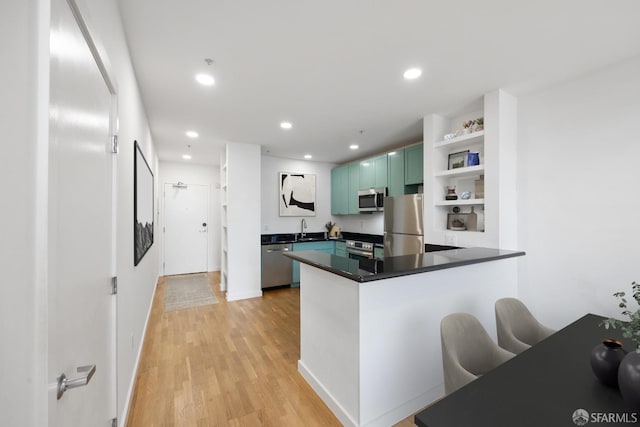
[321, 246]
[378, 253]
[341, 249]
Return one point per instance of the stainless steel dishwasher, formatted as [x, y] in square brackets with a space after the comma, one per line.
[277, 269]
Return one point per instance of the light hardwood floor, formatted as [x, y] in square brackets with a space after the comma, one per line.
[227, 364]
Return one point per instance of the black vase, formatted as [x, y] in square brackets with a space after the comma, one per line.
[605, 360]
[629, 378]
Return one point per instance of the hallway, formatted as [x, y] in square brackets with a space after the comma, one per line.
[227, 364]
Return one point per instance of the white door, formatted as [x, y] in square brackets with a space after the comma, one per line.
[186, 228]
[81, 318]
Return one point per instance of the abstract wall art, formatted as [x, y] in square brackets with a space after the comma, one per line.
[142, 205]
[297, 194]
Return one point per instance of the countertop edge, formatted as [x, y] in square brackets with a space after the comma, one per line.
[299, 256]
[453, 264]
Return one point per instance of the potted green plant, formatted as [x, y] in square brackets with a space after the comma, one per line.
[479, 124]
[631, 328]
[629, 369]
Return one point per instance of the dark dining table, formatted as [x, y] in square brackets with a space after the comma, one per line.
[543, 386]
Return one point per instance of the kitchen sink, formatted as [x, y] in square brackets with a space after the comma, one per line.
[308, 239]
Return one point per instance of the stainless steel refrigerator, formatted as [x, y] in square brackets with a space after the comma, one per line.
[403, 225]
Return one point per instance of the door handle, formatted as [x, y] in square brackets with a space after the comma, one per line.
[65, 383]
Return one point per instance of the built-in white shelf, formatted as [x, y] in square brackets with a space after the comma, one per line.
[468, 139]
[460, 172]
[448, 231]
[460, 202]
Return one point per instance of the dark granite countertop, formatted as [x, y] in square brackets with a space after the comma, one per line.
[270, 239]
[377, 269]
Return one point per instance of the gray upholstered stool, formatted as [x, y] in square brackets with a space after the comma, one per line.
[467, 351]
[516, 327]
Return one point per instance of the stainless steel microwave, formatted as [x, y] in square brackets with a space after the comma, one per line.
[372, 200]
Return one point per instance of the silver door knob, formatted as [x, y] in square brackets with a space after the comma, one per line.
[65, 383]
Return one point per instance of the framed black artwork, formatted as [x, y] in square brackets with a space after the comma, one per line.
[142, 205]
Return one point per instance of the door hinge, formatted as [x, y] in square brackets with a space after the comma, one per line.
[114, 144]
[114, 422]
[114, 285]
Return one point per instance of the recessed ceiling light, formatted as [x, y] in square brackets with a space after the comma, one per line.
[186, 157]
[192, 134]
[354, 146]
[205, 79]
[286, 125]
[412, 73]
[308, 156]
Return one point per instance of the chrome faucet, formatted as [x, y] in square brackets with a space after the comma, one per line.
[303, 225]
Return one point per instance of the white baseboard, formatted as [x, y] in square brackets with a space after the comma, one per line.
[406, 409]
[122, 419]
[335, 407]
[235, 296]
[389, 418]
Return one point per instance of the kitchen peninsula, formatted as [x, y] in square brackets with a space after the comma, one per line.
[370, 330]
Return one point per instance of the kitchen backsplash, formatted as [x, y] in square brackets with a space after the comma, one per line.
[365, 223]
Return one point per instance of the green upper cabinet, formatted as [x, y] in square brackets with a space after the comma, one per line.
[367, 174]
[340, 190]
[413, 164]
[354, 186]
[381, 167]
[395, 172]
[345, 183]
[373, 172]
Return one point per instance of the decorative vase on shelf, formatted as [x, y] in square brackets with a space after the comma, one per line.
[451, 194]
[629, 378]
[605, 360]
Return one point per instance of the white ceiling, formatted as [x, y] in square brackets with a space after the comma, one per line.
[334, 67]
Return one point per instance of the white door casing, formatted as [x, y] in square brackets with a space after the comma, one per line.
[81, 309]
[186, 225]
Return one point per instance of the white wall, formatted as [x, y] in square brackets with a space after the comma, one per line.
[242, 221]
[23, 170]
[173, 172]
[272, 223]
[578, 193]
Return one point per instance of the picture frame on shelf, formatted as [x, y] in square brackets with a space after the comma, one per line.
[458, 160]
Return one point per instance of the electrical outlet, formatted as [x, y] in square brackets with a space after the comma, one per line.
[450, 239]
